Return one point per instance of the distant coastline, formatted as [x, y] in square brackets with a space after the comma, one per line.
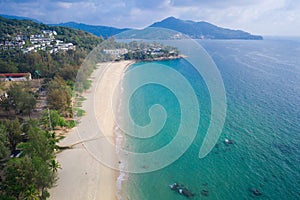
[166, 58]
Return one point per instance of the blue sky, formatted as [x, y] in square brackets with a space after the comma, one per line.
[266, 17]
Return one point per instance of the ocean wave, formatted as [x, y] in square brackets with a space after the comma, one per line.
[123, 176]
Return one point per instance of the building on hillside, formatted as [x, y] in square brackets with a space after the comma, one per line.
[15, 76]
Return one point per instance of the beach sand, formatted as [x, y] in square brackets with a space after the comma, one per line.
[82, 176]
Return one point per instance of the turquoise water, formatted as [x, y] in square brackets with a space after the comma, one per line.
[262, 82]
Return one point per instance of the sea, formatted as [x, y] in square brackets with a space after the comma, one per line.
[261, 159]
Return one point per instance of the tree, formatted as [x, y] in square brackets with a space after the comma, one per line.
[31, 194]
[19, 176]
[44, 178]
[14, 96]
[27, 103]
[4, 143]
[52, 119]
[59, 95]
[68, 72]
[41, 150]
[29, 176]
[20, 99]
[54, 165]
[13, 132]
[7, 67]
[39, 144]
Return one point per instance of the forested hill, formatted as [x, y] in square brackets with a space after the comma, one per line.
[19, 18]
[203, 30]
[103, 31]
[27, 46]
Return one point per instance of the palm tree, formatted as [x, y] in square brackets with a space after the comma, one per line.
[30, 194]
[54, 165]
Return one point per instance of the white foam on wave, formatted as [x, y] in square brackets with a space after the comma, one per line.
[119, 142]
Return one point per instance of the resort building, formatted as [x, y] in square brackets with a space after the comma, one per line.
[15, 76]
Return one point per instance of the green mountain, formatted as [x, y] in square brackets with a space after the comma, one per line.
[151, 33]
[19, 18]
[196, 30]
[103, 31]
[203, 30]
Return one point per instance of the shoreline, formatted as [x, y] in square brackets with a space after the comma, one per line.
[114, 131]
[180, 56]
[119, 140]
[83, 176]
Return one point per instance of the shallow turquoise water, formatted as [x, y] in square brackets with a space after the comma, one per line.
[262, 81]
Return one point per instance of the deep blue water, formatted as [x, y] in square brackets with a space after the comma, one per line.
[262, 83]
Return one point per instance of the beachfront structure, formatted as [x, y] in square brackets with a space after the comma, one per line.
[115, 52]
[15, 76]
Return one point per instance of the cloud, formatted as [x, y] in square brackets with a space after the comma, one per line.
[149, 5]
[256, 16]
[213, 3]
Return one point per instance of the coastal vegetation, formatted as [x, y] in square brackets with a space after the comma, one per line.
[56, 71]
[59, 95]
[31, 111]
[31, 168]
[19, 98]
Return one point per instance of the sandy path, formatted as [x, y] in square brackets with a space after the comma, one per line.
[82, 176]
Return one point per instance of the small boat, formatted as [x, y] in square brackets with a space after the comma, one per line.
[174, 186]
[185, 192]
[227, 141]
[181, 190]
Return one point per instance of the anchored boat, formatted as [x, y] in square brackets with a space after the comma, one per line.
[181, 190]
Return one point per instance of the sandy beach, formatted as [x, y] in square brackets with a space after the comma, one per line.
[82, 175]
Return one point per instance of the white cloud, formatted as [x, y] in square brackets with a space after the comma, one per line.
[65, 5]
[268, 17]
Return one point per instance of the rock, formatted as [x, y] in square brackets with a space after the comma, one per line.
[204, 193]
[255, 191]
